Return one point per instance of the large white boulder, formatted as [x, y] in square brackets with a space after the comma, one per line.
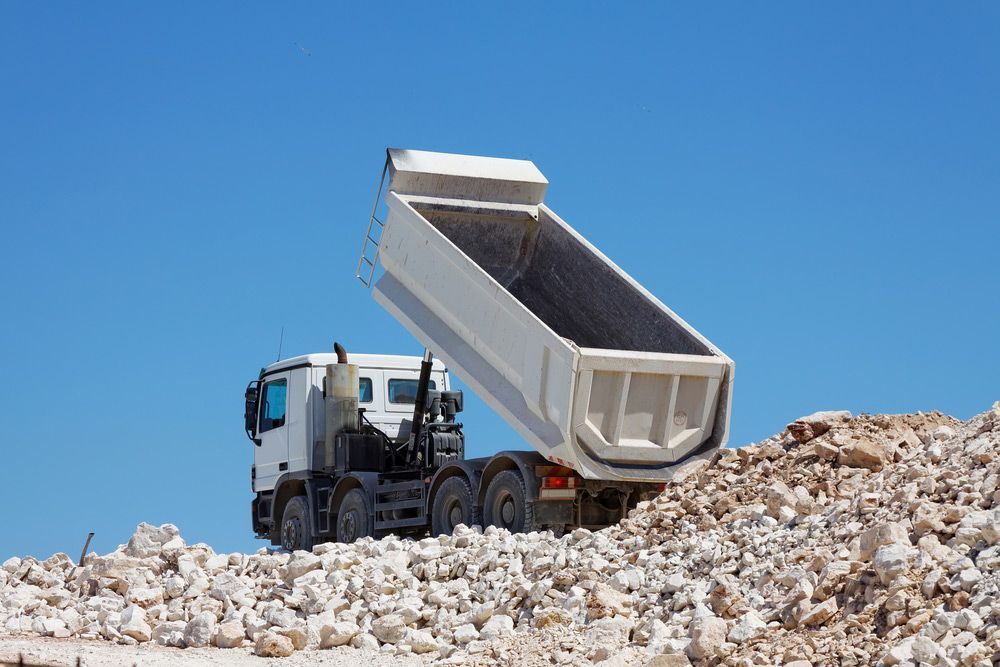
[199, 630]
[134, 625]
[148, 540]
[389, 629]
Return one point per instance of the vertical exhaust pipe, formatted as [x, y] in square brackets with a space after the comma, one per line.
[340, 399]
[341, 353]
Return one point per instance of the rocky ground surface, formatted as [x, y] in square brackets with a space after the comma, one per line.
[64, 652]
[842, 540]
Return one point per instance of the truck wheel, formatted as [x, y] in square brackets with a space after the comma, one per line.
[352, 518]
[506, 504]
[296, 534]
[453, 505]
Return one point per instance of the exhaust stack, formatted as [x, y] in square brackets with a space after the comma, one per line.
[340, 398]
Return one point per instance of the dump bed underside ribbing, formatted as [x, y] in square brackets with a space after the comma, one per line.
[563, 283]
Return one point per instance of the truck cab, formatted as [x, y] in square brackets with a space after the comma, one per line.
[285, 418]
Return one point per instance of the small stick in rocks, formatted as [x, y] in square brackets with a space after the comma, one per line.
[86, 545]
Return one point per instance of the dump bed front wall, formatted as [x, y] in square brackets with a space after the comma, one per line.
[466, 177]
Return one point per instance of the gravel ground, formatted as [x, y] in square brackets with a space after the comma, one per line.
[841, 540]
[64, 652]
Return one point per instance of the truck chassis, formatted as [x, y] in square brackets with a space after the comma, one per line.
[515, 490]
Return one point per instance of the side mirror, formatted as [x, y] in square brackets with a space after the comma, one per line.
[250, 397]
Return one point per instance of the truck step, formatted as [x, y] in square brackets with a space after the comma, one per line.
[400, 523]
[399, 486]
[410, 503]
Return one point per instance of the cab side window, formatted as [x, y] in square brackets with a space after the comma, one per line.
[405, 391]
[272, 412]
[364, 390]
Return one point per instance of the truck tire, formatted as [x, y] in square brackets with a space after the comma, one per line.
[453, 505]
[296, 534]
[353, 517]
[506, 503]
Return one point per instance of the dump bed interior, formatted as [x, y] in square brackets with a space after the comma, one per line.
[572, 290]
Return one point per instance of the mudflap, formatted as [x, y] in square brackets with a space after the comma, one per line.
[554, 512]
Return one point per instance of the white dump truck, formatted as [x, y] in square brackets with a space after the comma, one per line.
[611, 388]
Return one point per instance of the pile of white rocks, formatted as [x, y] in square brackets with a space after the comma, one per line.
[842, 540]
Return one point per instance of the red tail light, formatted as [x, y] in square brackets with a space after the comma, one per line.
[558, 482]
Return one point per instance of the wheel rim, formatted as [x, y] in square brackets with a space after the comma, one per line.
[349, 527]
[454, 515]
[290, 535]
[505, 512]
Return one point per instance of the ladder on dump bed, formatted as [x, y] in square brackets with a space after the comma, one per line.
[369, 258]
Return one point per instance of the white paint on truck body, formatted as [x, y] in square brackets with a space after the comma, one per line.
[488, 278]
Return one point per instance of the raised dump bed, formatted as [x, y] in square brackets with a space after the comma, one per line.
[590, 368]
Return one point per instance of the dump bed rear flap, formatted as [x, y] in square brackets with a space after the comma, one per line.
[644, 408]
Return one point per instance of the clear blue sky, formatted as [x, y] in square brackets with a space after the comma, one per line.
[815, 188]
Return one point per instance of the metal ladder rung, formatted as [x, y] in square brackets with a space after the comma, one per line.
[411, 503]
[367, 277]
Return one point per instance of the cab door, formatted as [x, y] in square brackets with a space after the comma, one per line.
[271, 456]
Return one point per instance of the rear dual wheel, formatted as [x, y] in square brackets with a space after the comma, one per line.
[506, 504]
[453, 504]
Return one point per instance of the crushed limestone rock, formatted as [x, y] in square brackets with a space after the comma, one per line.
[842, 540]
